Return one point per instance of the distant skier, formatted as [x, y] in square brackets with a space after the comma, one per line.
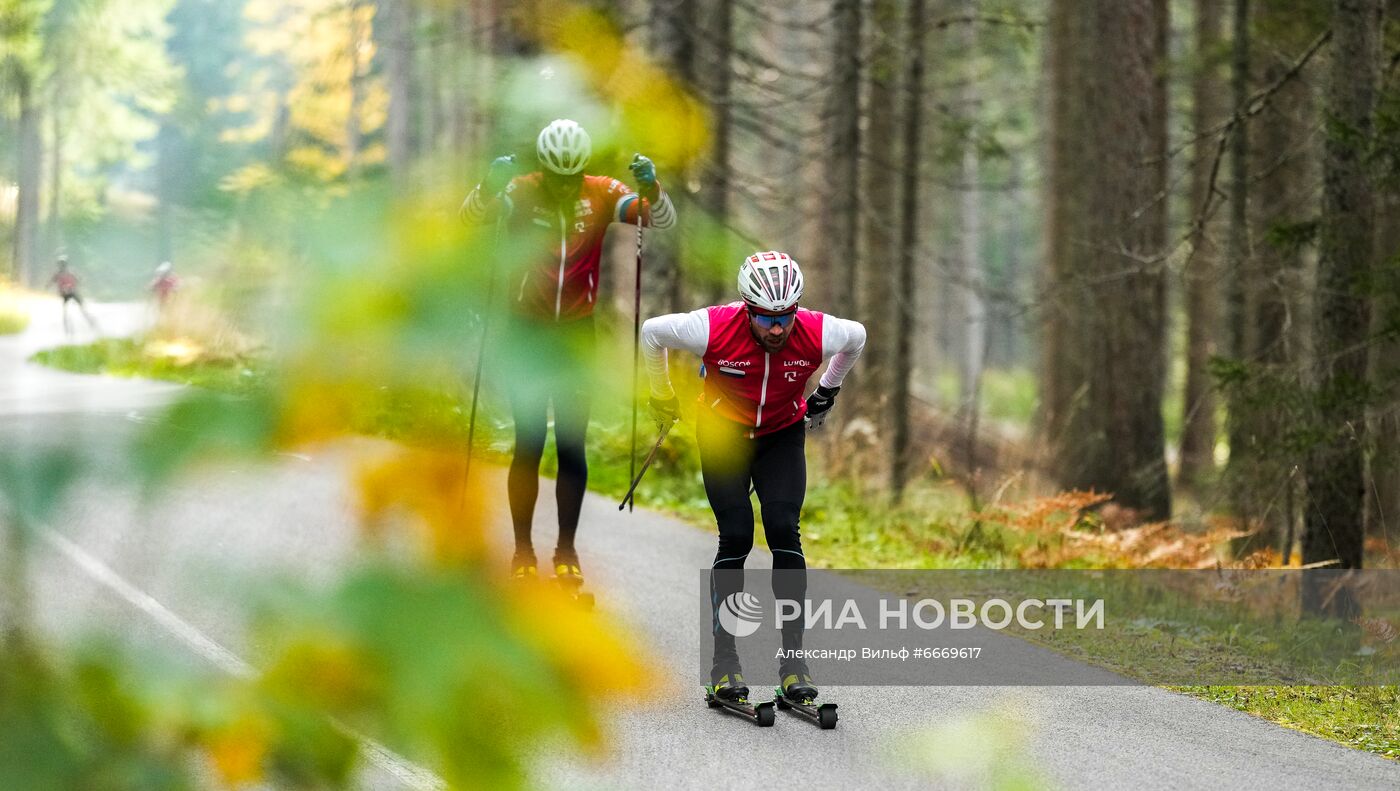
[163, 286]
[751, 427]
[67, 284]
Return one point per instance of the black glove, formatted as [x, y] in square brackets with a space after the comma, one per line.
[665, 411]
[499, 176]
[819, 405]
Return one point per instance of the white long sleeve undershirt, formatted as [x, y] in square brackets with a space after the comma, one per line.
[843, 341]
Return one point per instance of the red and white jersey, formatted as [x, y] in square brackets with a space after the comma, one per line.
[563, 285]
[67, 283]
[164, 286]
[744, 382]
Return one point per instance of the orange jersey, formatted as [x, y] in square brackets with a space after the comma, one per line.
[563, 284]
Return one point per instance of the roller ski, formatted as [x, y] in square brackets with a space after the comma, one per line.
[798, 694]
[569, 577]
[729, 692]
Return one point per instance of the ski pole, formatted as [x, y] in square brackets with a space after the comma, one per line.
[481, 355]
[636, 342]
[627, 500]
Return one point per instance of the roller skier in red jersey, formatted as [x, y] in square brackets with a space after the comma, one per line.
[565, 213]
[67, 284]
[751, 427]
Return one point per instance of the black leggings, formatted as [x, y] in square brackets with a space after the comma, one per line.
[776, 464]
[553, 364]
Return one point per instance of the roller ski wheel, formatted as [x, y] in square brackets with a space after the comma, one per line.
[798, 694]
[733, 696]
[824, 715]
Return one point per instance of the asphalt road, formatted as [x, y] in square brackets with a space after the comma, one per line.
[167, 573]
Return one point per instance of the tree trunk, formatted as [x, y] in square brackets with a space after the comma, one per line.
[1062, 369]
[1283, 194]
[879, 204]
[394, 20]
[165, 190]
[467, 55]
[908, 246]
[55, 219]
[714, 184]
[1202, 308]
[1007, 318]
[1238, 280]
[1346, 242]
[672, 28]
[1383, 509]
[31, 153]
[973, 310]
[1113, 435]
[842, 209]
[357, 91]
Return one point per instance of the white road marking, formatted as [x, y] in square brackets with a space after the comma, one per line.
[415, 776]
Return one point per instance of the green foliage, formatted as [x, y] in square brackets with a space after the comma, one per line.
[205, 424]
[1007, 394]
[1292, 237]
[108, 79]
[20, 41]
[985, 750]
[34, 484]
[88, 723]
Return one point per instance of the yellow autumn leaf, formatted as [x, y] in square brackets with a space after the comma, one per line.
[431, 487]
[237, 750]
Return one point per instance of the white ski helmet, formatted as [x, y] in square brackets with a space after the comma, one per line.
[563, 147]
[770, 281]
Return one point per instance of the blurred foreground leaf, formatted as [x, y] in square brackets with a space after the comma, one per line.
[204, 423]
[82, 725]
[33, 483]
[459, 673]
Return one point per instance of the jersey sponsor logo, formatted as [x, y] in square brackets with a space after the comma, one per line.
[735, 363]
[791, 376]
[543, 223]
[797, 363]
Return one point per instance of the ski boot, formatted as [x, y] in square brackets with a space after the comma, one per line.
[522, 567]
[797, 693]
[727, 690]
[569, 577]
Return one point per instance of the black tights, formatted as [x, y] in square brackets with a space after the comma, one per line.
[556, 369]
[776, 464]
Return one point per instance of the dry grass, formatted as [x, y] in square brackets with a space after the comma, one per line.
[191, 328]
